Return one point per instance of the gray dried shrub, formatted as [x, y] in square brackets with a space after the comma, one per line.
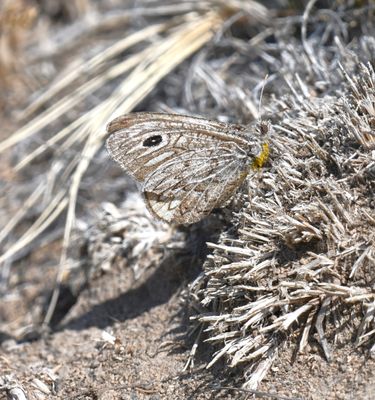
[303, 251]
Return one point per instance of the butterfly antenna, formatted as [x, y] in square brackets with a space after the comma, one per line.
[261, 93]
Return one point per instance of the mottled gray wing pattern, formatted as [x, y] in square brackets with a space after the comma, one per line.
[187, 189]
[187, 165]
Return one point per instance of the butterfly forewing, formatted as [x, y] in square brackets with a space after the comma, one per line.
[187, 165]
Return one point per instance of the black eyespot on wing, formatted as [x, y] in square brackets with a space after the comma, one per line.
[152, 141]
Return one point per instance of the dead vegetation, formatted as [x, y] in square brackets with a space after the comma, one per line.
[295, 268]
[301, 258]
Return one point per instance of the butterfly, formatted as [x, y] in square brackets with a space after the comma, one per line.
[187, 166]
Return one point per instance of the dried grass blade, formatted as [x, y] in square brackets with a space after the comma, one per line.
[50, 214]
[92, 65]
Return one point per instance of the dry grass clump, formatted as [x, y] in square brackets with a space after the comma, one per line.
[126, 230]
[302, 257]
[16, 20]
[15, 17]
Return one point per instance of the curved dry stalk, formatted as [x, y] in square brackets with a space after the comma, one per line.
[49, 215]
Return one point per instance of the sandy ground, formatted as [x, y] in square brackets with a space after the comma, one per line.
[129, 340]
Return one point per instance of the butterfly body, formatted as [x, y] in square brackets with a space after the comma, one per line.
[187, 165]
